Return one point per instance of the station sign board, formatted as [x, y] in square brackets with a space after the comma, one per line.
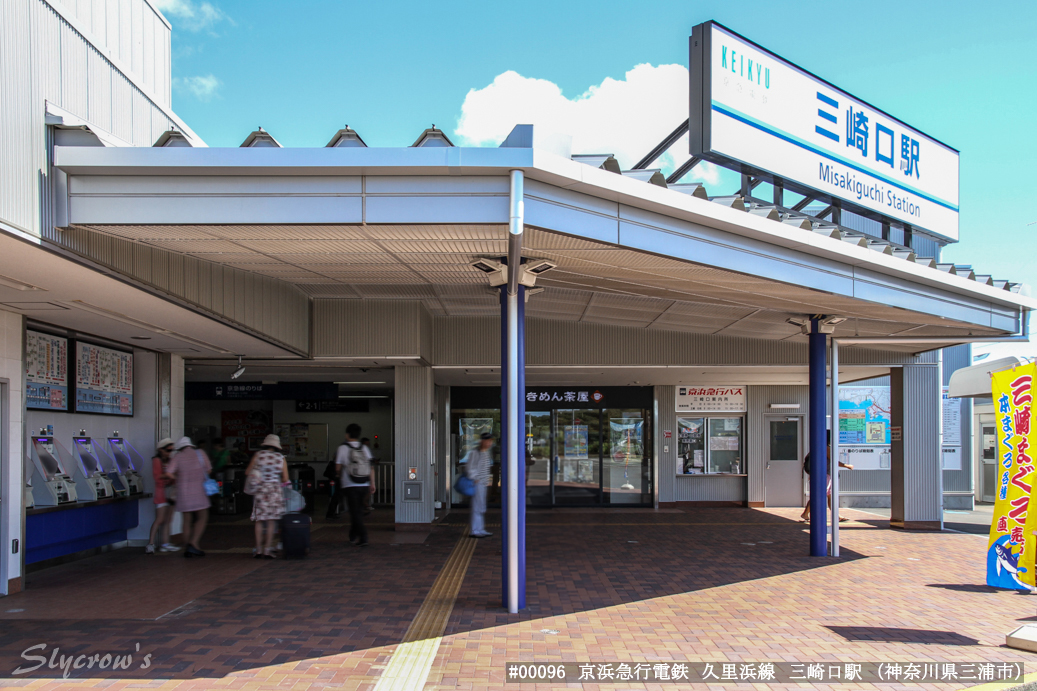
[710, 399]
[751, 108]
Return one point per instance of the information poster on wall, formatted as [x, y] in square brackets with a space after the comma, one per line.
[104, 380]
[46, 371]
[951, 432]
[576, 437]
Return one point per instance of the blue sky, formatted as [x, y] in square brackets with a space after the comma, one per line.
[962, 72]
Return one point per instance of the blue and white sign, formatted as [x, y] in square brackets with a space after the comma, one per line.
[751, 107]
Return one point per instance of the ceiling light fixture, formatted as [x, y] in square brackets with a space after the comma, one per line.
[360, 382]
[239, 371]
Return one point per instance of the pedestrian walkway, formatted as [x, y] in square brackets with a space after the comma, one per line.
[604, 586]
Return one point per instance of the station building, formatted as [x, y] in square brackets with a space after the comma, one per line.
[665, 325]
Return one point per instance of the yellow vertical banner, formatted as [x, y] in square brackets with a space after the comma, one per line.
[1012, 545]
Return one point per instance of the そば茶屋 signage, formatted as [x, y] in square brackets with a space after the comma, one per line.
[710, 399]
[750, 107]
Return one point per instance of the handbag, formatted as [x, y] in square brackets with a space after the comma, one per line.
[253, 481]
[211, 487]
[464, 485]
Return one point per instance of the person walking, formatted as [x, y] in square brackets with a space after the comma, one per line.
[369, 497]
[477, 467]
[190, 467]
[268, 501]
[163, 499]
[353, 462]
[805, 516]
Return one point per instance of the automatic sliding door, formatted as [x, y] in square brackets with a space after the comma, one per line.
[577, 477]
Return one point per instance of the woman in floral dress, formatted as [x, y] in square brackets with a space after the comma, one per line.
[268, 501]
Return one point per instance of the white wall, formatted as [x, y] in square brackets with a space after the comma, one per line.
[12, 482]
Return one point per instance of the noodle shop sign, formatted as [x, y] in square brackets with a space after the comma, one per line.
[717, 398]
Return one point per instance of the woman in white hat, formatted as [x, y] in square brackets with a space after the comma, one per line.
[268, 501]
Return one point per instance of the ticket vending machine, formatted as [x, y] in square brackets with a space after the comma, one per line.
[93, 478]
[128, 462]
[52, 483]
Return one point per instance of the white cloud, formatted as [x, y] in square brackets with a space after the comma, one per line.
[203, 88]
[190, 16]
[624, 117]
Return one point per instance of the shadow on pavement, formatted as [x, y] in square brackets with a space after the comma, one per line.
[894, 635]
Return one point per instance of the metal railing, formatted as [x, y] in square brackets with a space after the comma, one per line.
[385, 484]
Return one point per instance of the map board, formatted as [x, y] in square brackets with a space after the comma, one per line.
[864, 426]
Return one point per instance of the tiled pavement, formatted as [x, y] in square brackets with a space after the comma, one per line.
[618, 585]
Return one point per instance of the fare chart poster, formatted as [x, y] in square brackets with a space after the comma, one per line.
[104, 380]
[46, 371]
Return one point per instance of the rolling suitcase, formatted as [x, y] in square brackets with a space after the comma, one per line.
[295, 533]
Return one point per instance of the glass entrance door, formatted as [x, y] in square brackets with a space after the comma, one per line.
[577, 457]
[538, 458]
[987, 443]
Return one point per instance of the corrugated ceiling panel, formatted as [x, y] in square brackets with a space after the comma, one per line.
[236, 258]
[197, 246]
[301, 232]
[315, 246]
[343, 258]
[537, 239]
[459, 246]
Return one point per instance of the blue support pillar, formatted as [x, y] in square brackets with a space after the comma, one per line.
[513, 447]
[818, 443]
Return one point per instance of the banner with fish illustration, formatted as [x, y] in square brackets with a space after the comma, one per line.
[1012, 545]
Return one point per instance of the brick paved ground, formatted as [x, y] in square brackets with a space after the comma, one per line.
[615, 586]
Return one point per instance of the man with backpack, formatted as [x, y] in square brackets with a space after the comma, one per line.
[353, 462]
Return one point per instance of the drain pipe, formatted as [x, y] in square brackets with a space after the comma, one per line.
[516, 398]
[1022, 337]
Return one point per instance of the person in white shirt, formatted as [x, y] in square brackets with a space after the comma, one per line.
[477, 467]
[348, 462]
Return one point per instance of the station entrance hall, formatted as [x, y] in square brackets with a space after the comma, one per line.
[656, 370]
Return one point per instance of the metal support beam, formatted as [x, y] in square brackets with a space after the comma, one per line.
[835, 447]
[818, 447]
[662, 146]
[779, 193]
[802, 204]
[513, 410]
[680, 172]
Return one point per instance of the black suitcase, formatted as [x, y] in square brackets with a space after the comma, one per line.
[295, 535]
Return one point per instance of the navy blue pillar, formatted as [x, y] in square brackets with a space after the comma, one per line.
[506, 478]
[818, 443]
